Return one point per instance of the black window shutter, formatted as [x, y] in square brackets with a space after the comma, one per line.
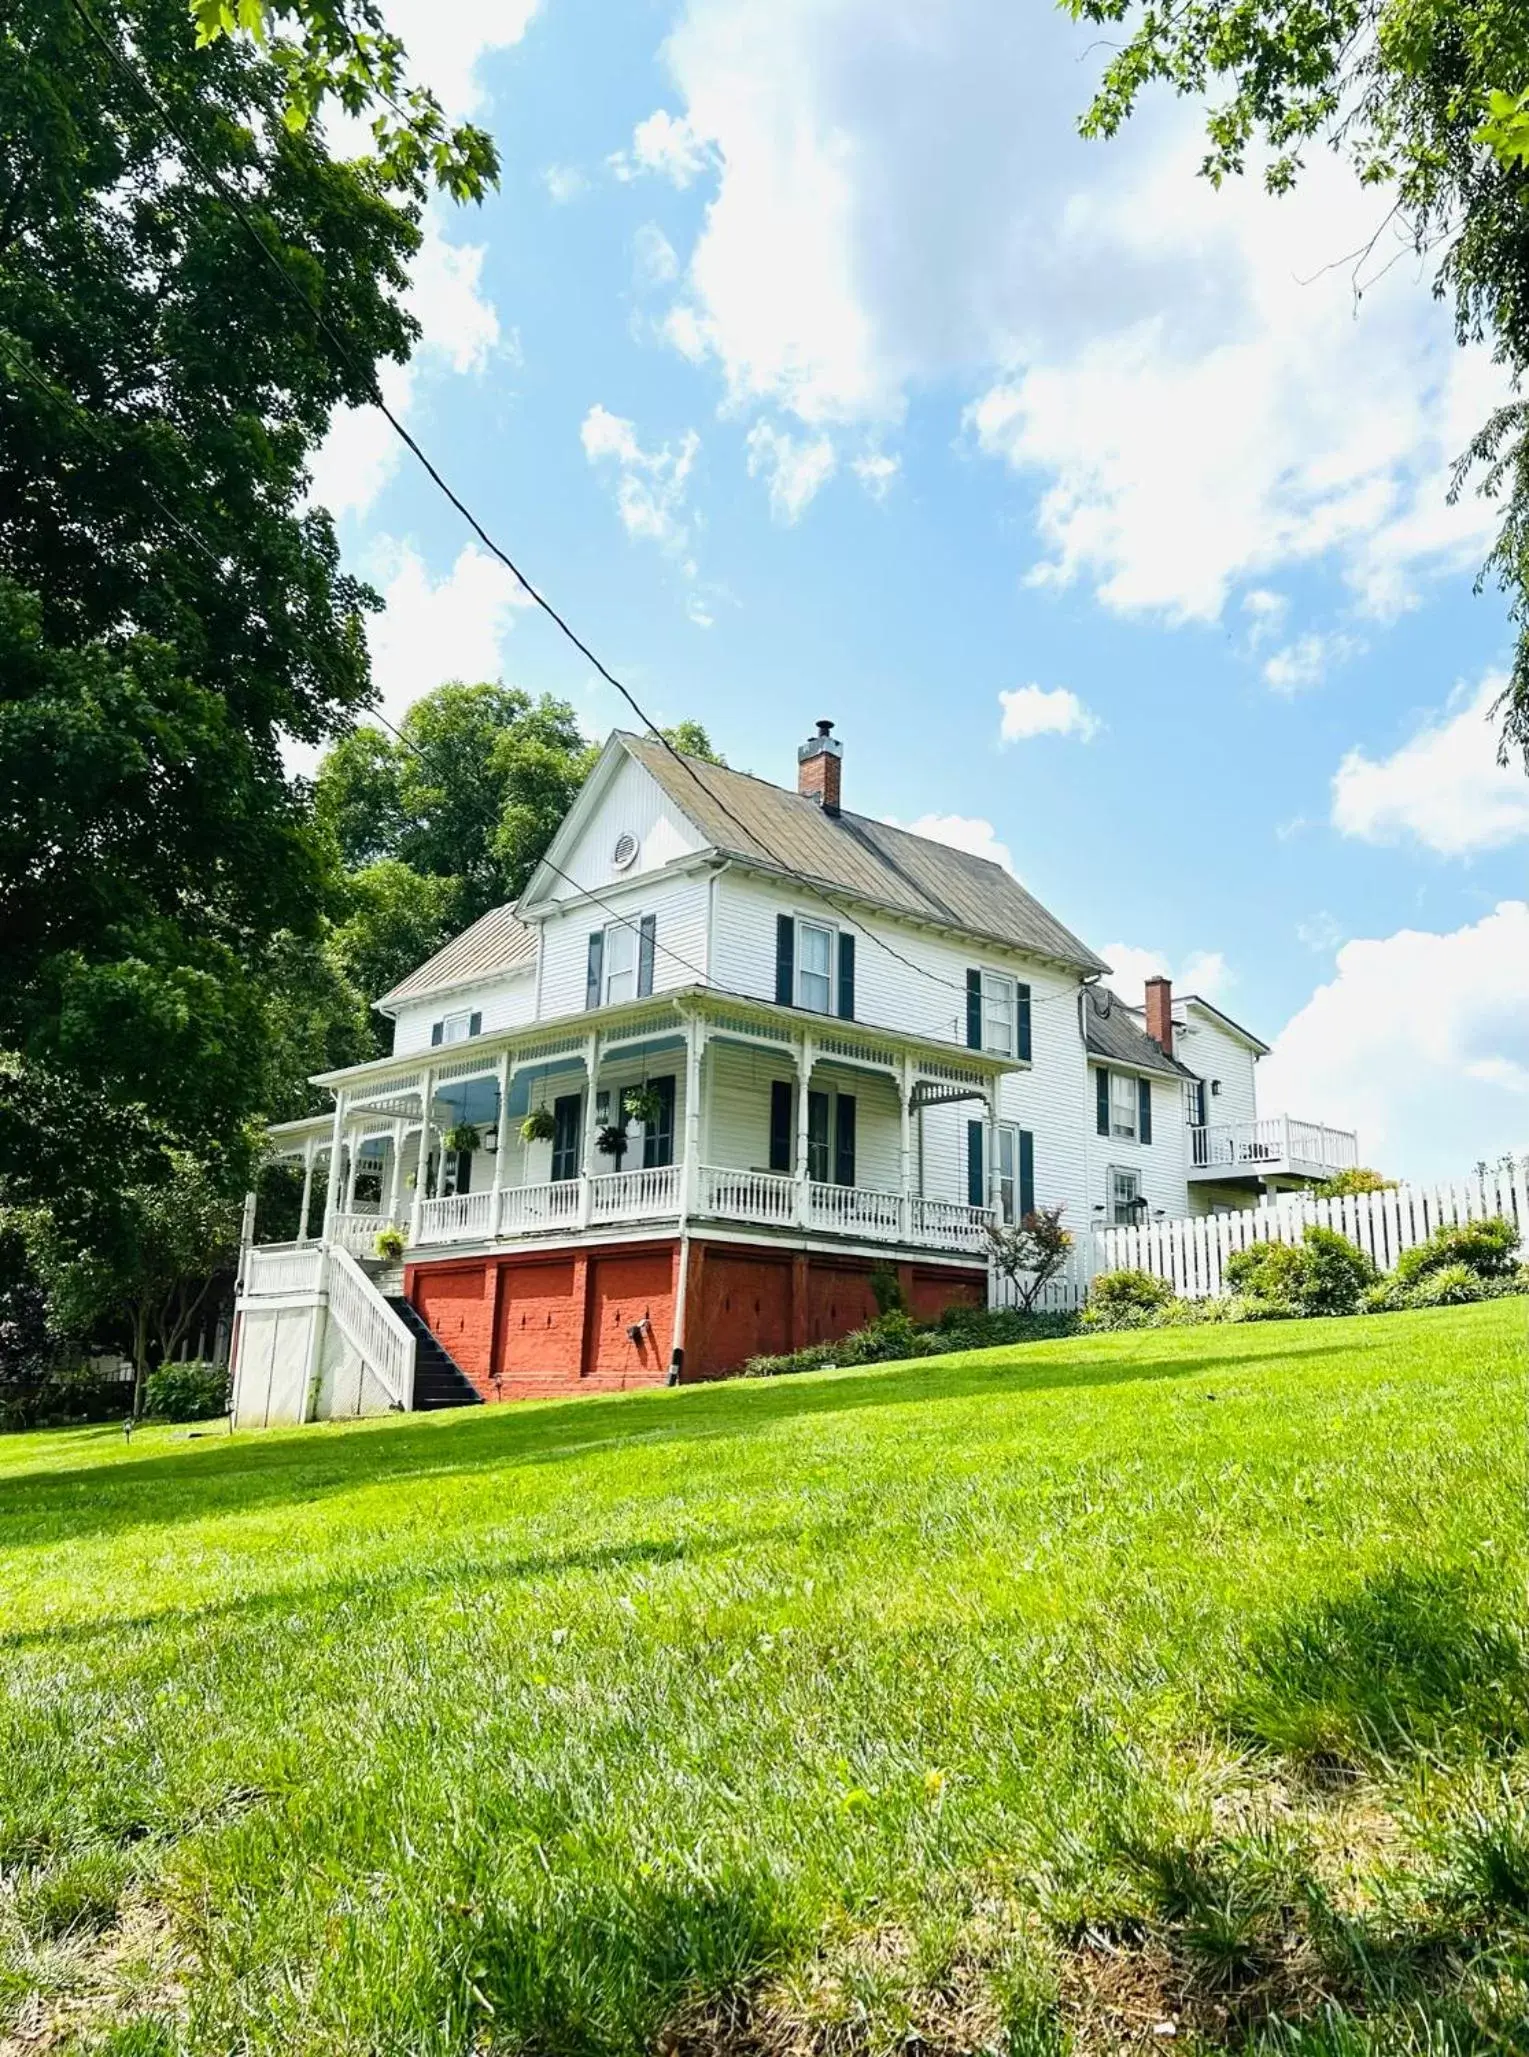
[596, 964]
[781, 1138]
[658, 1136]
[976, 1185]
[1026, 1173]
[1101, 1100]
[1022, 1020]
[974, 1012]
[567, 1111]
[1144, 1110]
[844, 1140]
[475, 1024]
[645, 939]
[785, 960]
[846, 976]
[437, 1030]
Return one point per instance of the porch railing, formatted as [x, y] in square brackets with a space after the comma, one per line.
[636, 1195]
[763, 1196]
[278, 1269]
[385, 1345]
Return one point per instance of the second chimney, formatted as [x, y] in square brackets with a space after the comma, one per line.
[819, 763]
[1160, 1013]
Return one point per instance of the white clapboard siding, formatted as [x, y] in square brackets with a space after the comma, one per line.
[1191, 1253]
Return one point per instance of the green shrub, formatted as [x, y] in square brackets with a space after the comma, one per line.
[986, 1328]
[886, 1289]
[1484, 1247]
[1322, 1274]
[1451, 1285]
[1384, 1297]
[186, 1392]
[1125, 1299]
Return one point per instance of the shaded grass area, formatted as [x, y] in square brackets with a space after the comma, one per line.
[1039, 1700]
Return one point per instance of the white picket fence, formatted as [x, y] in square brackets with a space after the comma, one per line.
[1191, 1253]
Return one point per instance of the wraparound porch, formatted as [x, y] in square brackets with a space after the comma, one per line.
[758, 1116]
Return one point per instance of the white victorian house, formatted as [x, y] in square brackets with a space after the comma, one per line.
[735, 1051]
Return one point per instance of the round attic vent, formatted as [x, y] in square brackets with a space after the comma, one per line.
[624, 852]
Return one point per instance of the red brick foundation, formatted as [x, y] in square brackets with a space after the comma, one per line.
[601, 1320]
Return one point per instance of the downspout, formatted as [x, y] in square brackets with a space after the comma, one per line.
[681, 1294]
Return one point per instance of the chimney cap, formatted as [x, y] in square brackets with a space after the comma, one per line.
[825, 728]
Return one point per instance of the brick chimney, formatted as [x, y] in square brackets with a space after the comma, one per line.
[819, 763]
[1160, 1013]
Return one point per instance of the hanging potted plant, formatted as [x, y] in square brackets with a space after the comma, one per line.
[611, 1140]
[463, 1138]
[643, 1103]
[389, 1244]
[538, 1126]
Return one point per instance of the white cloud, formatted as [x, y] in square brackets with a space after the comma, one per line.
[1322, 933]
[795, 467]
[460, 333]
[665, 144]
[650, 484]
[436, 629]
[1421, 1043]
[1265, 611]
[1030, 711]
[446, 44]
[564, 182]
[1141, 346]
[876, 471]
[1444, 788]
[654, 260]
[962, 832]
[1205, 972]
[1305, 662]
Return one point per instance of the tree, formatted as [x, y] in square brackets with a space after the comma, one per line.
[390, 920]
[171, 608]
[691, 740]
[1031, 1252]
[472, 790]
[1359, 1179]
[1429, 101]
[174, 1241]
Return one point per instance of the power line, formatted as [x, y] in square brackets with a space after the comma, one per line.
[241, 207]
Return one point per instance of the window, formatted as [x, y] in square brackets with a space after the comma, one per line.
[1194, 1103]
[1123, 1105]
[455, 1028]
[620, 963]
[997, 1014]
[1008, 1172]
[814, 968]
[567, 1136]
[1125, 1197]
[817, 1138]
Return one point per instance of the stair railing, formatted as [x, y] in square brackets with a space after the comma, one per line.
[383, 1340]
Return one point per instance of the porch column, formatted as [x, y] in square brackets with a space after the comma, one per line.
[905, 1113]
[336, 1139]
[587, 1192]
[992, 1148]
[395, 1179]
[352, 1153]
[803, 1081]
[422, 1168]
[502, 1134]
[690, 1173]
[302, 1219]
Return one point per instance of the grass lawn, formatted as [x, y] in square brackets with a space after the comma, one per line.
[1155, 1691]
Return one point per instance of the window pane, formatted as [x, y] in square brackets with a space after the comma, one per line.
[1124, 1187]
[1122, 1104]
[814, 983]
[1006, 1168]
[620, 964]
[454, 1028]
[997, 1015]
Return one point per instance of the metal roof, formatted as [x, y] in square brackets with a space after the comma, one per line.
[782, 831]
[496, 943]
[1119, 1038]
[1256, 1043]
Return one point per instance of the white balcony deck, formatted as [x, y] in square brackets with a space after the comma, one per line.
[1279, 1147]
[653, 1198]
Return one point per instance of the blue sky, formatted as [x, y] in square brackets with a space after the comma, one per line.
[815, 368]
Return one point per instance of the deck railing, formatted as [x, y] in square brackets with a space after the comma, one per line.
[640, 1195]
[275, 1270]
[534, 1210]
[384, 1343]
[1278, 1143]
[767, 1197]
[857, 1211]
